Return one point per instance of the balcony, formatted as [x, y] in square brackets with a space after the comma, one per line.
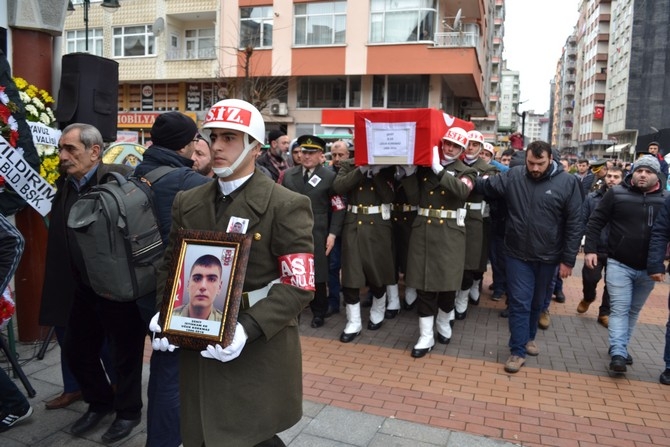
[456, 40]
[568, 104]
[179, 55]
[566, 130]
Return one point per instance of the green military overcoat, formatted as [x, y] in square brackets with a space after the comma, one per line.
[437, 246]
[367, 253]
[476, 244]
[249, 399]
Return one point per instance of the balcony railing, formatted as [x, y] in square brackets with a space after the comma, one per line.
[456, 40]
[205, 53]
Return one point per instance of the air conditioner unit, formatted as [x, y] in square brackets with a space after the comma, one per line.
[279, 108]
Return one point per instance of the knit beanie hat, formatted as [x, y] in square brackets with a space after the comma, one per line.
[275, 134]
[173, 130]
[647, 161]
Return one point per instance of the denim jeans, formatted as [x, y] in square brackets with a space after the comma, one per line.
[497, 258]
[163, 407]
[528, 285]
[629, 290]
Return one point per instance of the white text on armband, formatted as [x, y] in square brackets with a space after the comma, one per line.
[467, 182]
[297, 270]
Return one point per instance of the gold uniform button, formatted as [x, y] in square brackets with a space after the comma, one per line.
[431, 193]
[425, 179]
[372, 188]
[430, 206]
[442, 207]
[257, 236]
[360, 188]
[428, 221]
[360, 222]
[443, 193]
[441, 221]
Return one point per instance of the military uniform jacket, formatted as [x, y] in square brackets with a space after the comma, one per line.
[366, 238]
[436, 248]
[247, 400]
[476, 242]
[320, 191]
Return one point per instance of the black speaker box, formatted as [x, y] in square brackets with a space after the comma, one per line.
[89, 92]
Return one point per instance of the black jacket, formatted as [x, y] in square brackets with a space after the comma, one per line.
[543, 215]
[590, 204]
[182, 178]
[630, 214]
[658, 243]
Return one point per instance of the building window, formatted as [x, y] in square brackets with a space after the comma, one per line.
[76, 41]
[396, 92]
[394, 21]
[199, 43]
[329, 92]
[321, 23]
[256, 27]
[134, 41]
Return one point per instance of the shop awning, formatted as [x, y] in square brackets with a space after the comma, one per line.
[617, 148]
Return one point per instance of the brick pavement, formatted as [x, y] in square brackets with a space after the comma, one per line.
[563, 397]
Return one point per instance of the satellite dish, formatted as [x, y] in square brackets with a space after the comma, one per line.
[158, 26]
[457, 20]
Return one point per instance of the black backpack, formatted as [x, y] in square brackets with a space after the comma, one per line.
[115, 224]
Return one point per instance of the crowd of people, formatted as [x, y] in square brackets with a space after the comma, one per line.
[521, 211]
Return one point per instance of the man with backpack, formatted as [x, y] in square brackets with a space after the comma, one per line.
[92, 318]
[174, 138]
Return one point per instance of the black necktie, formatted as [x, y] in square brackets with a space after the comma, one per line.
[306, 176]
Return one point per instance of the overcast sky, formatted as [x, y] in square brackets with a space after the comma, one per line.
[535, 33]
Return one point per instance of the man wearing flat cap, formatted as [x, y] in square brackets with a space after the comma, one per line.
[316, 182]
[629, 208]
[274, 158]
[174, 137]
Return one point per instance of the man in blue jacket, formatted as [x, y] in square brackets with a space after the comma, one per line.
[174, 138]
[542, 236]
[630, 209]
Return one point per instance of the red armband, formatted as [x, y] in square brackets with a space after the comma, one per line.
[467, 182]
[297, 270]
[336, 203]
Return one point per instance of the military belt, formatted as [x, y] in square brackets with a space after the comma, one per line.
[441, 214]
[364, 209]
[404, 208]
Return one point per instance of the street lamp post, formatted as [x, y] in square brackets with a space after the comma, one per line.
[109, 5]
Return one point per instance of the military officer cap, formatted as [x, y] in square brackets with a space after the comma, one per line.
[598, 163]
[311, 143]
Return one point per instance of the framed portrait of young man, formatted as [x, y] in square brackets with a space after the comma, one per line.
[204, 288]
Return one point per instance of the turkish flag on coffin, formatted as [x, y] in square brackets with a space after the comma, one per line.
[400, 136]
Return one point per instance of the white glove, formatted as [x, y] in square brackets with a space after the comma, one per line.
[436, 166]
[231, 351]
[160, 343]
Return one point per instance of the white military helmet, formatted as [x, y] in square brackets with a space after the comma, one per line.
[475, 135]
[239, 115]
[235, 114]
[489, 147]
[458, 136]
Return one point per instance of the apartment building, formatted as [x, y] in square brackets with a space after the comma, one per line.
[563, 102]
[307, 64]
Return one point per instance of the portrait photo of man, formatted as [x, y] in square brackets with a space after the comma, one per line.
[204, 285]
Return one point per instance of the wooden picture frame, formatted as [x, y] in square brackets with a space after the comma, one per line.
[210, 315]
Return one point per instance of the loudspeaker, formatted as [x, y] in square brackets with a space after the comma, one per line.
[89, 93]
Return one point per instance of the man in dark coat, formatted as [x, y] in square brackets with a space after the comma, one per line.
[367, 255]
[93, 318]
[436, 257]
[243, 394]
[274, 158]
[316, 182]
[542, 235]
[629, 209]
[174, 138]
